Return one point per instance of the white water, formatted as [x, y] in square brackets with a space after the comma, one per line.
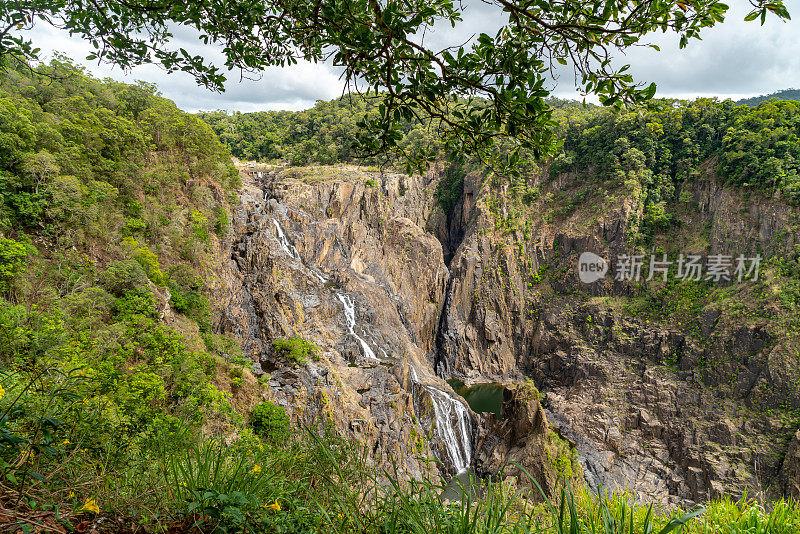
[285, 244]
[347, 302]
[451, 416]
[290, 249]
[350, 319]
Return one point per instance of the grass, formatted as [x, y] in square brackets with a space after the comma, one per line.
[319, 482]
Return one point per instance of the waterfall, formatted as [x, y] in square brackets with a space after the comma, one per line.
[350, 319]
[346, 300]
[285, 244]
[453, 424]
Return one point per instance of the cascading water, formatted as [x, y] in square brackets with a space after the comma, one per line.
[350, 319]
[453, 425]
[448, 420]
[285, 244]
[345, 299]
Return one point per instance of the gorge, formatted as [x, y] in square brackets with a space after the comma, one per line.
[342, 345]
[357, 266]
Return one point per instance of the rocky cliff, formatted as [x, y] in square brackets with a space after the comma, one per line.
[339, 258]
[677, 393]
[678, 401]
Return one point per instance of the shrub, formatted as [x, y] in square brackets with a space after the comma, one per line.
[531, 195]
[87, 309]
[146, 259]
[296, 349]
[198, 223]
[226, 346]
[185, 277]
[12, 261]
[656, 216]
[136, 302]
[221, 221]
[192, 304]
[270, 422]
[122, 276]
[133, 226]
[562, 456]
[450, 187]
[236, 375]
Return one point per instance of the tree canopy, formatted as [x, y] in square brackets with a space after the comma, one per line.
[487, 92]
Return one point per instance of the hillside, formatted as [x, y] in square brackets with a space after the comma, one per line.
[786, 94]
[113, 207]
[191, 347]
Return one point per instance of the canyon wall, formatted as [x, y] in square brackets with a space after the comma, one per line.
[400, 296]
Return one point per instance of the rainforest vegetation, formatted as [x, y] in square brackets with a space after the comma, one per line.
[757, 149]
[377, 50]
[111, 201]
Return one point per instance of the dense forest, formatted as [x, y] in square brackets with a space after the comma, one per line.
[659, 150]
[111, 202]
[757, 149]
[324, 134]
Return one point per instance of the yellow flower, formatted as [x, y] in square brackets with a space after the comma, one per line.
[71, 495]
[65, 442]
[90, 506]
[255, 470]
[274, 506]
[2, 392]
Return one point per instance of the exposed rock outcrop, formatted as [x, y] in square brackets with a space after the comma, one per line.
[343, 262]
[790, 470]
[522, 448]
[678, 413]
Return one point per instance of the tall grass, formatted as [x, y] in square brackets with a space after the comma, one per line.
[319, 482]
[746, 516]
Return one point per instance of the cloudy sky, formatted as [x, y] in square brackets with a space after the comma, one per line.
[734, 60]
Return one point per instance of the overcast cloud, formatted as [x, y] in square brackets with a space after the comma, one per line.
[733, 60]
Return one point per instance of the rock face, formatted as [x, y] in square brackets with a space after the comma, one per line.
[678, 413]
[400, 296]
[790, 470]
[342, 261]
[522, 448]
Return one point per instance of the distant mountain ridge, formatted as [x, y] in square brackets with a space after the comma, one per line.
[785, 94]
